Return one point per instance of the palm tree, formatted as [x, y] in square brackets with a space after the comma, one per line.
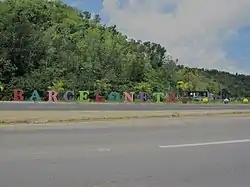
[57, 86]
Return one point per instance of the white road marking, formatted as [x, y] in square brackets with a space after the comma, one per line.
[103, 149]
[204, 144]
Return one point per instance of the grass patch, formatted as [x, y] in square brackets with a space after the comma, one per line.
[85, 117]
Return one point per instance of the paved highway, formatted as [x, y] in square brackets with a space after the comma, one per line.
[71, 106]
[136, 153]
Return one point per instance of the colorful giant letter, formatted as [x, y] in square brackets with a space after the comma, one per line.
[18, 95]
[128, 97]
[35, 96]
[84, 95]
[69, 96]
[158, 96]
[114, 97]
[52, 96]
[143, 96]
[171, 98]
[98, 97]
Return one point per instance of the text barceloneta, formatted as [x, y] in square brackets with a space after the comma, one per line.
[53, 96]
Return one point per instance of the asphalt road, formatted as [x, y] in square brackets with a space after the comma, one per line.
[137, 153]
[70, 106]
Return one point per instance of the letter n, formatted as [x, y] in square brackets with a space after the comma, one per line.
[128, 97]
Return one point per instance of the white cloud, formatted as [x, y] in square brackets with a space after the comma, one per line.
[194, 31]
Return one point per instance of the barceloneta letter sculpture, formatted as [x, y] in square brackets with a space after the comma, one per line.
[53, 96]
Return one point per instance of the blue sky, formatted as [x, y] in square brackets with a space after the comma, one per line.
[90, 5]
[236, 49]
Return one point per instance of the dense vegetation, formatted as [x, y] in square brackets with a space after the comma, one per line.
[45, 42]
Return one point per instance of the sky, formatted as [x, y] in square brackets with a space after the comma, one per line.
[212, 34]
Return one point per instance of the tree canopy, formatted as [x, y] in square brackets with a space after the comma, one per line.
[44, 42]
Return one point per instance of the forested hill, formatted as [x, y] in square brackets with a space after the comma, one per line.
[44, 42]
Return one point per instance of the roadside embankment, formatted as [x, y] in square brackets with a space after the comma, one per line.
[10, 117]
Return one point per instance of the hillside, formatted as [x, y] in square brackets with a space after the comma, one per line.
[47, 41]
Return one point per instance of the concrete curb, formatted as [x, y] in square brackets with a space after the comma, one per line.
[86, 119]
